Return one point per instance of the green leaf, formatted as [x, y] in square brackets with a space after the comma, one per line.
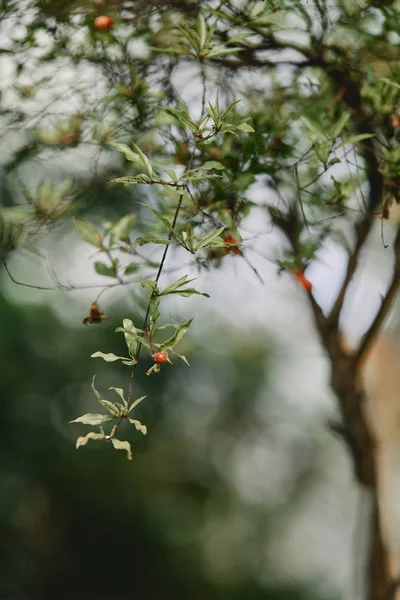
[182, 117]
[222, 50]
[141, 178]
[82, 441]
[177, 284]
[145, 161]
[110, 357]
[176, 338]
[120, 393]
[120, 445]
[353, 139]
[92, 419]
[160, 216]
[136, 402]
[112, 408]
[150, 285]
[130, 363]
[315, 131]
[390, 82]
[124, 149]
[88, 232]
[131, 335]
[148, 239]
[229, 109]
[154, 313]
[245, 127]
[201, 29]
[94, 389]
[122, 229]
[138, 426]
[189, 292]
[209, 238]
[212, 164]
[103, 269]
[182, 357]
[338, 127]
[131, 268]
[322, 150]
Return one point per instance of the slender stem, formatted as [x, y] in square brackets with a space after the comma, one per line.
[160, 268]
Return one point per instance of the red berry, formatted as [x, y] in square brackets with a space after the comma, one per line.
[160, 357]
[103, 23]
[302, 279]
[231, 239]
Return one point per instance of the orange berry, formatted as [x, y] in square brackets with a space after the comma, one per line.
[103, 23]
[396, 121]
[302, 279]
[231, 239]
[160, 357]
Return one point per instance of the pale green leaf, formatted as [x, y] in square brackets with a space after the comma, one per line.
[92, 419]
[124, 149]
[176, 338]
[112, 408]
[139, 426]
[148, 239]
[122, 445]
[88, 232]
[131, 268]
[353, 139]
[209, 238]
[121, 229]
[177, 284]
[245, 127]
[212, 164]
[83, 440]
[105, 270]
[136, 402]
[110, 357]
[145, 161]
[120, 393]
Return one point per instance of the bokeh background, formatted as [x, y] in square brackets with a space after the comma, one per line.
[240, 490]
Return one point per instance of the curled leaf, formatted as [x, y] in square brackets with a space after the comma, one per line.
[139, 426]
[122, 445]
[82, 441]
[110, 357]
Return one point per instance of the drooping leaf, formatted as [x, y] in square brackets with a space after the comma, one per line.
[122, 445]
[92, 435]
[139, 426]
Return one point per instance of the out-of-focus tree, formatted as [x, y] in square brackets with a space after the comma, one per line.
[316, 130]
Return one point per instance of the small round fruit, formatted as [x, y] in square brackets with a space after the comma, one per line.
[160, 357]
[231, 239]
[302, 279]
[103, 23]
